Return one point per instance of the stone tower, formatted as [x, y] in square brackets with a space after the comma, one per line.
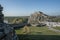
[1, 15]
[7, 32]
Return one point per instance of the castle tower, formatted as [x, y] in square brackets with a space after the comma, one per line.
[1, 15]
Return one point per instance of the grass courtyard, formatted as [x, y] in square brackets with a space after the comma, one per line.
[58, 28]
[38, 33]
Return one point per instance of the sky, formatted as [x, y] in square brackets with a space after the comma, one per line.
[27, 7]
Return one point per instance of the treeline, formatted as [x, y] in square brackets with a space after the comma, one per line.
[54, 18]
[15, 20]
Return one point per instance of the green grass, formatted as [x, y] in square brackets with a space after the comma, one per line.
[38, 31]
[39, 37]
[43, 31]
[58, 28]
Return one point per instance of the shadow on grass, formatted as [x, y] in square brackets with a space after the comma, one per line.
[39, 37]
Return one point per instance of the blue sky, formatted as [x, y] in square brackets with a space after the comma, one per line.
[27, 7]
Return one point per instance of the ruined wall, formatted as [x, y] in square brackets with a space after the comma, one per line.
[37, 17]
